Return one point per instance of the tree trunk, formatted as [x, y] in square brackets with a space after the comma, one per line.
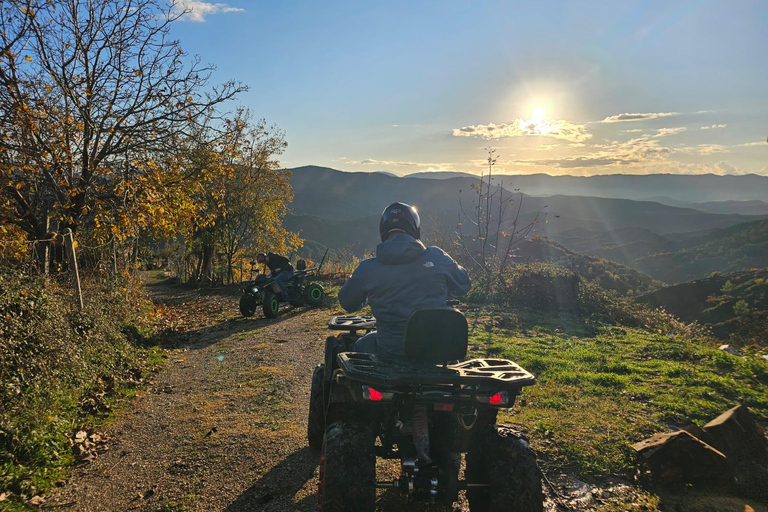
[206, 276]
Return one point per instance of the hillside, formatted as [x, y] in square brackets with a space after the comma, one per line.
[735, 303]
[336, 197]
[731, 249]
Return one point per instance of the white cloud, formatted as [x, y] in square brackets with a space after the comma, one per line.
[752, 144]
[636, 117]
[636, 130]
[196, 10]
[556, 129]
[714, 126]
[666, 132]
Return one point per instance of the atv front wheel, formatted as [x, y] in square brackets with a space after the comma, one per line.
[316, 421]
[500, 457]
[271, 305]
[247, 305]
[347, 469]
[313, 294]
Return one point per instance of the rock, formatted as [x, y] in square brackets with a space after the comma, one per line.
[679, 457]
[736, 434]
[730, 350]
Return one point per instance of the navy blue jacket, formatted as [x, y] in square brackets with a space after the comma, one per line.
[403, 277]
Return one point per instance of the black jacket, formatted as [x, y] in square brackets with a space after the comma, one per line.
[277, 264]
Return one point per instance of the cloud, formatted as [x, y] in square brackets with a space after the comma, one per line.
[752, 144]
[196, 10]
[714, 127]
[666, 132]
[635, 130]
[556, 129]
[636, 117]
[703, 149]
[570, 162]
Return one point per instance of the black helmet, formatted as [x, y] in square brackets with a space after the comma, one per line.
[400, 217]
[261, 257]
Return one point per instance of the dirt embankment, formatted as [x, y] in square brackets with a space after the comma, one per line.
[223, 427]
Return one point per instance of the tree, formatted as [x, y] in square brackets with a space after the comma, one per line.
[494, 225]
[245, 193]
[95, 99]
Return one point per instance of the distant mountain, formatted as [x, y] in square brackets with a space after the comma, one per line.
[730, 249]
[685, 189]
[333, 196]
[440, 175]
[735, 303]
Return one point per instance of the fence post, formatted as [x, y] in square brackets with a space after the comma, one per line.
[69, 240]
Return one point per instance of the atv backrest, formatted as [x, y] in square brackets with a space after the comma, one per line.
[301, 265]
[436, 335]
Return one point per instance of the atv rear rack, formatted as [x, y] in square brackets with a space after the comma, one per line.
[379, 371]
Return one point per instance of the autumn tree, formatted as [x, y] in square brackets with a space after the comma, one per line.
[243, 194]
[95, 98]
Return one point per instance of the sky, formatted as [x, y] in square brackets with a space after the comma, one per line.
[557, 87]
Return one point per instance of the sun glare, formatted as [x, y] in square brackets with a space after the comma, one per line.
[538, 114]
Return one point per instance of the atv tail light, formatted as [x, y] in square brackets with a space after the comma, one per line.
[374, 395]
[444, 407]
[500, 398]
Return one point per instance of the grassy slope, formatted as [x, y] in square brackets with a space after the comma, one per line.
[598, 393]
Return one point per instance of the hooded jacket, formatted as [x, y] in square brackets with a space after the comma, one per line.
[405, 276]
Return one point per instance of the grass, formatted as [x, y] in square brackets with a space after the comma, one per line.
[598, 393]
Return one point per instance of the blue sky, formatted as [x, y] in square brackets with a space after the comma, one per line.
[559, 87]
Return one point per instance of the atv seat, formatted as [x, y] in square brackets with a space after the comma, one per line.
[436, 336]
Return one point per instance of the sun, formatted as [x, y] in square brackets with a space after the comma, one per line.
[538, 115]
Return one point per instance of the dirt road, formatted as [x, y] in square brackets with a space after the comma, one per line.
[223, 427]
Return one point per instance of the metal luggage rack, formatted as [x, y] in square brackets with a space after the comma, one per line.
[393, 372]
[352, 323]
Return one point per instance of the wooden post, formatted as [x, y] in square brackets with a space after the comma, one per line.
[113, 250]
[69, 241]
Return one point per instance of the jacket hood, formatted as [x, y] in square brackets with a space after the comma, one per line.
[399, 249]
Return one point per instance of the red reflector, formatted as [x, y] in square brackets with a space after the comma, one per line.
[374, 395]
[496, 399]
[443, 407]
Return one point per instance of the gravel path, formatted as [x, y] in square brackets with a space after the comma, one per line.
[222, 428]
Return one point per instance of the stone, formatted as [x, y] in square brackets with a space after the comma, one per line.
[736, 434]
[730, 350]
[679, 457]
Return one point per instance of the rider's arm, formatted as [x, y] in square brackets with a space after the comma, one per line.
[352, 295]
[456, 277]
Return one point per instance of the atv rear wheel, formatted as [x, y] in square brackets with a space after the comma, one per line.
[500, 456]
[316, 420]
[271, 305]
[347, 469]
[313, 294]
[247, 305]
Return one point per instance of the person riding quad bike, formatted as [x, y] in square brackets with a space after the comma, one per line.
[400, 392]
[280, 266]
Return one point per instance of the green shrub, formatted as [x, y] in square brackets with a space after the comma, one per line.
[53, 358]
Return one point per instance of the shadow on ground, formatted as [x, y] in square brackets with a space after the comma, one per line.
[277, 488]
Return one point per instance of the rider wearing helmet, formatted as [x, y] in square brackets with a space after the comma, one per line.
[279, 266]
[404, 276]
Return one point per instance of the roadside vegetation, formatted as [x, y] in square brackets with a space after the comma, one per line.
[63, 371]
[610, 371]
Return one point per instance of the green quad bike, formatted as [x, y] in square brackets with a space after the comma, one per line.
[364, 406]
[264, 292]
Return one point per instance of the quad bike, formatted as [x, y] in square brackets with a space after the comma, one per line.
[364, 406]
[264, 292]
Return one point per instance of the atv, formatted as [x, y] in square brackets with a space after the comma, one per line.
[264, 292]
[425, 409]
